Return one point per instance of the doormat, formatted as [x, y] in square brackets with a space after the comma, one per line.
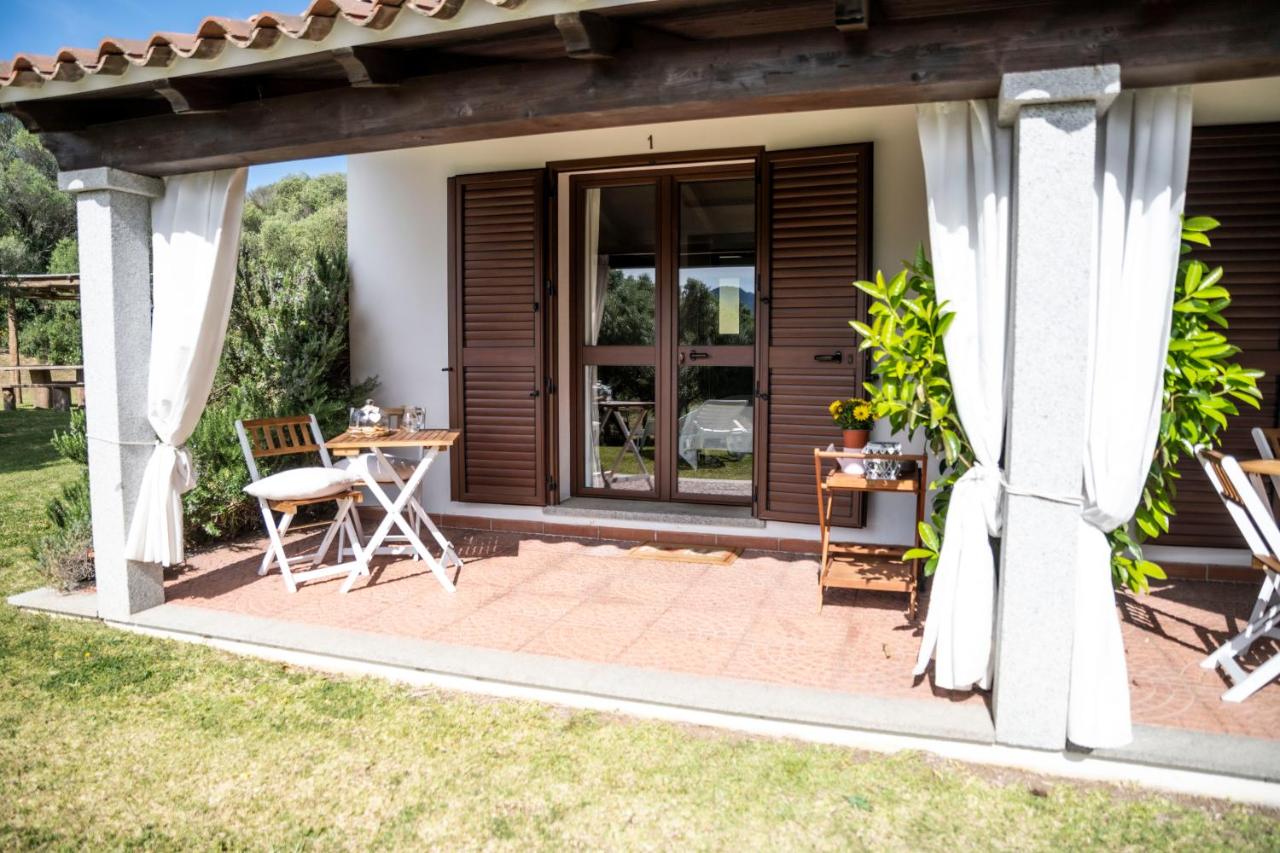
[676, 553]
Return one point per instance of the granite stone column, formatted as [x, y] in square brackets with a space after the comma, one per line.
[1052, 264]
[113, 212]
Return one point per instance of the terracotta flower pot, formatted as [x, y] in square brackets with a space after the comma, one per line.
[856, 439]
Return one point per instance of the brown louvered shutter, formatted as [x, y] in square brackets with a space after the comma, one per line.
[816, 206]
[1235, 178]
[495, 331]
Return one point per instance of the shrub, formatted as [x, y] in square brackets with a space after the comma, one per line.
[64, 556]
[286, 353]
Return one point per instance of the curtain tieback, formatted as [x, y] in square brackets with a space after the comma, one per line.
[151, 443]
[1069, 500]
[184, 470]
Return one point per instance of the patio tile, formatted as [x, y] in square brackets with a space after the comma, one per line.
[596, 643]
[756, 619]
[658, 648]
[528, 605]
[618, 616]
[477, 629]
[784, 663]
[728, 624]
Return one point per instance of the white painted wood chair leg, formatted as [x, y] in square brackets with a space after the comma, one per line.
[1264, 613]
[1255, 681]
[344, 507]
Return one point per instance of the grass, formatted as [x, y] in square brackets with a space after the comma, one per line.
[110, 740]
[712, 464]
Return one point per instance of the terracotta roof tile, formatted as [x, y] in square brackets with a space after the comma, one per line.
[260, 32]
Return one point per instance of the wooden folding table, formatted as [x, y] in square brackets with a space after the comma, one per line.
[431, 441]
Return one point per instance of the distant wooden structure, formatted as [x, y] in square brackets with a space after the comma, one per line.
[43, 390]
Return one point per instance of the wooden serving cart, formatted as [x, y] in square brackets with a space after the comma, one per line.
[857, 566]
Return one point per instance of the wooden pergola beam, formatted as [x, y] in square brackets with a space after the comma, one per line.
[898, 62]
[371, 66]
[187, 95]
[851, 15]
[587, 35]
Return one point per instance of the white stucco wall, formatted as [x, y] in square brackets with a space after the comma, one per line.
[398, 213]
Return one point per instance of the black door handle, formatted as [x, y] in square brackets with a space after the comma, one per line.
[695, 355]
[831, 357]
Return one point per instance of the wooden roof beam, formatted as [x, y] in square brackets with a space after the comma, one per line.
[588, 35]
[197, 94]
[851, 15]
[372, 66]
[894, 62]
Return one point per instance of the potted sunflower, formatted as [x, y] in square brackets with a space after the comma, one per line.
[855, 417]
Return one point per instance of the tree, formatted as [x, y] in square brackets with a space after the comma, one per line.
[37, 233]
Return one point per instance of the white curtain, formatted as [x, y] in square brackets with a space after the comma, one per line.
[967, 162]
[195, 239]
[1143, 146]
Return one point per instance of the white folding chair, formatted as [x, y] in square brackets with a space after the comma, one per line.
[274, 437]
[1268, 441]
[1258, 526]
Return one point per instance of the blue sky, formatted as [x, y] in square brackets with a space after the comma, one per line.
[43, 26]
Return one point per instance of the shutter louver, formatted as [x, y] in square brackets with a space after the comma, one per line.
[817, 208]
[1234, 176]
[496, 271]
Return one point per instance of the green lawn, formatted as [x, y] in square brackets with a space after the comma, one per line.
[712, 464]
[109, 740]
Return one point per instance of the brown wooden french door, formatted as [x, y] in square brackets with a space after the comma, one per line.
[663, 334]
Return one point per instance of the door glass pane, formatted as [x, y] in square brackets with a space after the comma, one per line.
[717, 262]
[619, 429]
[715, 431]
[619, 257]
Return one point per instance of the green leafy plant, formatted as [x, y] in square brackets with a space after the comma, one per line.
[913, 384]
[1202, 383]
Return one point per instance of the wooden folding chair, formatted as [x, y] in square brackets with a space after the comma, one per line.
[274, 437]
[1258, 526]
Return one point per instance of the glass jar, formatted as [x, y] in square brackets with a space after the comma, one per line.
[367, 419]
[414, 419]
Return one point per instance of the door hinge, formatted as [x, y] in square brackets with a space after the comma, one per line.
[552, 485]
[534, 393]
[551, 287]
[761, 395]
[535, 307]
[551, 386]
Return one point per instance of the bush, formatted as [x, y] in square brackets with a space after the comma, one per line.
[64, 556]
[286, 353]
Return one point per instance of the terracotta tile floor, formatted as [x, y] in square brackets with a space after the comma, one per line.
[755, 620]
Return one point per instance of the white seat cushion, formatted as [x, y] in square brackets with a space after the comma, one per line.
[303, 483]
[357, 466]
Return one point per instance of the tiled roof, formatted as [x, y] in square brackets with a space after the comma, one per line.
[262, 31]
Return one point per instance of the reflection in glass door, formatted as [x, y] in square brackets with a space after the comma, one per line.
[664, 297]
[716, 328]
[618, 288]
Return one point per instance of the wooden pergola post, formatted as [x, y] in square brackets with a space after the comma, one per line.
[11, 392]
